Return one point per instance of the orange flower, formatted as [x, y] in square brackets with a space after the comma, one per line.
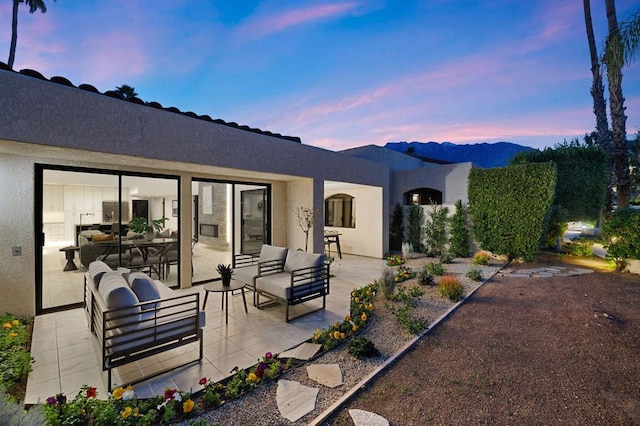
[188, 405]
[363, 317]
[354, 327]
[6, 325]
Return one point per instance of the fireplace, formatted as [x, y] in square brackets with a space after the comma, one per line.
[208, 230]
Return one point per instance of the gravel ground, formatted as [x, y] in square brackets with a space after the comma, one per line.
[259, 406]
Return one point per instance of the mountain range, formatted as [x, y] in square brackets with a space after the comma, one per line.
[485, 155]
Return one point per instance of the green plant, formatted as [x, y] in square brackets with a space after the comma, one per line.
[436, 230]
[407, 299]
[396, 230]
[361, 347]
[140, 225]
[395, 260]
[436, 268]
[387, 282]
[481, 257]
[459, 232]
[403, 273]
[225, 271]
[580, 247]
[414, 233]
[451, 288]
[15, 359]
[509, 207]
[474, 273]
[425, 277]
[15, 414]
[621, 235]
[445, 258]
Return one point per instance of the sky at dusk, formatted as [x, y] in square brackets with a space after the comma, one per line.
[339, 74]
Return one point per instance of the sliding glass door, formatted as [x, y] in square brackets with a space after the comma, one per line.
[84, 215]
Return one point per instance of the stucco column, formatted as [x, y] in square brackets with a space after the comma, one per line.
[186, 213]
[318, 222]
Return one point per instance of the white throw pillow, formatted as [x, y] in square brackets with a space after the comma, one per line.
[97, 269]
[268, 253]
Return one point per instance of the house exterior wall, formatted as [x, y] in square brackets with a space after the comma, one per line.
[451, 179]
[47, 123]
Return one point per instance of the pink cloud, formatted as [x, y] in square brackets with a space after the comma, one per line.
[262, 25]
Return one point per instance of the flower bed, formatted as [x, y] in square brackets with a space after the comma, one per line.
[122, 407]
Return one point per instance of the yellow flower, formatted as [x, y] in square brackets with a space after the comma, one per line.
[117, 393]
[370, 306]
[357, 299]
[369, 292]
[6, 325]
[343, 336]
[336, 335]
[347, 318]
[353, 294]
[363, 317]
[127, 412]
[15, 322]
[13, 334]
[354, 327]
[252, 377]
[396, 279]
[336, 324]
[136, 411]
[188, 405]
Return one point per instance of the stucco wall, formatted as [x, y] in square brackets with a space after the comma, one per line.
[364, 239]
[17, 273]
[450, 179]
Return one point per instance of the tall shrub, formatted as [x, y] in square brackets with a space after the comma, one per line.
[459, 245]
[509, 207]
[396, 229]
[436, 226]
[581, 183]
[621, 234]
[414, 233]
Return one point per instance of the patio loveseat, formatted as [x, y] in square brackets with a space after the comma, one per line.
[134, 317]
[290, 277]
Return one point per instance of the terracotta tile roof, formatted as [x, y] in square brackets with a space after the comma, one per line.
[111, 93]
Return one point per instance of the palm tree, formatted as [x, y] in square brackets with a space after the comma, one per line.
[126, 91]
[603, 136]
[620, 151]
[33, 6]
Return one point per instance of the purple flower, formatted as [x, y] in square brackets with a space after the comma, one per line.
[268, 356]
[61, 398]
[262, 366]
[51, 400]
[280, 369]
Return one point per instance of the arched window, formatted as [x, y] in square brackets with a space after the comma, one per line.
[424, 196]
[340, 211]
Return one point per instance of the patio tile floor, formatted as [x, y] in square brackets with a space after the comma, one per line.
[67, 356]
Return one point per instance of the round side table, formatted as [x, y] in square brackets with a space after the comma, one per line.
[217, 287]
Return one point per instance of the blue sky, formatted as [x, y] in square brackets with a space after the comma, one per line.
[339, 74]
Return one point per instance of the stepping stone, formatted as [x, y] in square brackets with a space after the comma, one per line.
[295, 400]
[328, 375]
[367, 418]
[303, 352]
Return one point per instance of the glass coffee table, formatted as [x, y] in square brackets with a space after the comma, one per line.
[217, 287]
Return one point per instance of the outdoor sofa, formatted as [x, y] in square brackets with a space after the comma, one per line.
[281, 275]
[134, 317]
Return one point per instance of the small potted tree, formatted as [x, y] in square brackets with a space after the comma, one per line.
[225, 272]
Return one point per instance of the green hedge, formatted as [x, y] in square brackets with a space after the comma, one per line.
[621, 235]
[509, 207]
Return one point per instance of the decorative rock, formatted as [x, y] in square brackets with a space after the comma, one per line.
[295, 400]
[367, 418]
[303, 352]
[328, 375]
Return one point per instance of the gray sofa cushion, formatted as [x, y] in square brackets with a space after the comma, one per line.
[115, 293]
[300, 259]
[97, 269]
[144, 288]
[268, 252]
[246, 274]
